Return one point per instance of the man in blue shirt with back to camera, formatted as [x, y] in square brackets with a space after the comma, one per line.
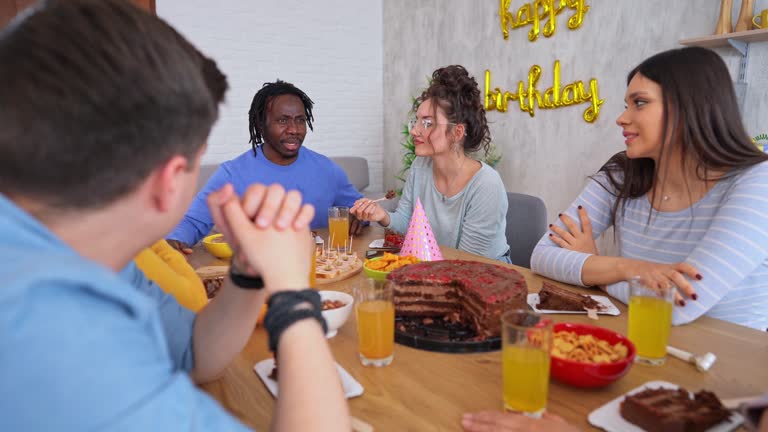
[278, 119]
[104, 115]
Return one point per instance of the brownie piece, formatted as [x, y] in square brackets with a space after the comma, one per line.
[666, 410]
[552, 297]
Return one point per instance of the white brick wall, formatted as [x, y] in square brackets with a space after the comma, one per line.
[331, 49]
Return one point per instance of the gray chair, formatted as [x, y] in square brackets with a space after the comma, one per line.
[526, 223]
[206, 171]
[356, 168]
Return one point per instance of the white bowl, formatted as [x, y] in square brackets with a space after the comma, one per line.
[335, 318]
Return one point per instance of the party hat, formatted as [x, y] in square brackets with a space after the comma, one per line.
[420, 240]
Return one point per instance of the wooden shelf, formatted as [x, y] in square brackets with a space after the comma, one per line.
[714, 41]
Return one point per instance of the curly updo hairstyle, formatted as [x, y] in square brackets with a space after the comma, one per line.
[458, 95]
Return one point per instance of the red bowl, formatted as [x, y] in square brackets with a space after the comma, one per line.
[591, 375]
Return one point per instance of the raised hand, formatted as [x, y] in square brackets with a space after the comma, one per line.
[268, 231]
[577, 238]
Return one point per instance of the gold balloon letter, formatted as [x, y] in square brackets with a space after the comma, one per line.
[529, 97]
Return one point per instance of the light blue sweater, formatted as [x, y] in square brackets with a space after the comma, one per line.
[83, 348]
[724, 235]
[474, 220]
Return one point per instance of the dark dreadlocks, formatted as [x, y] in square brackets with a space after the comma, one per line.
[257, 115]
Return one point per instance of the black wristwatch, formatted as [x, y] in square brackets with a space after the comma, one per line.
[245, 282]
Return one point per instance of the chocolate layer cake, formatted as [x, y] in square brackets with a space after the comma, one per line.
[666, 410]
[552, 297]
[475, 292]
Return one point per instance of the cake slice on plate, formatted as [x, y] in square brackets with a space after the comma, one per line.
[553, 297]
[667, 410]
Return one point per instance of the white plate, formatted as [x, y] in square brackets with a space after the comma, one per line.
[610, 308]
[608, 418]
[318, 240]
[379, 244]
[352, 388]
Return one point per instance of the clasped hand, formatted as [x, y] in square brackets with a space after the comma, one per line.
[268, 230]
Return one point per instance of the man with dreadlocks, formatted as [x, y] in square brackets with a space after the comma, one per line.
[278, 119]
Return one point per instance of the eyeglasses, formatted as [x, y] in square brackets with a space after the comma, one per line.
[425, 124]
[298, 122]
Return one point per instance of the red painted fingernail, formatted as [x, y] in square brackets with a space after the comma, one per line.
[580, 207]
[550, 225]
[681, 302]
[550, 234]
[699, 277]
[559, 215]
[695, 296]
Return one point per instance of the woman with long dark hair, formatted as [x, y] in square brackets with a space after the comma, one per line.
[464, 199]
[688, 198]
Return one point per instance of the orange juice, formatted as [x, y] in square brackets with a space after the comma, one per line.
[650, 319]
[525, 372]
[313, 269]
[376, 329]
[338, 231]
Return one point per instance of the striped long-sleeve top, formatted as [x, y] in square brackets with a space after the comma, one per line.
[724, 235]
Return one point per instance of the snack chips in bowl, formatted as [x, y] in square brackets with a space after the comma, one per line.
[589, 356]
[586, 348]
[377, 268]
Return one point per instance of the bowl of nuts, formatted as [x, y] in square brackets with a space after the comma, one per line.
[336, 308]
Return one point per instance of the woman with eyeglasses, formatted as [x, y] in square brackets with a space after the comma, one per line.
[464, 199]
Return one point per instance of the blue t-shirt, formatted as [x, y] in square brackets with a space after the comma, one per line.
[321, 181]
[83, 348]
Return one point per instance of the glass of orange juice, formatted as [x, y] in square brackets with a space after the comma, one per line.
[375, 313]
[650, 320]
[313, 266]
[338, 226]
[526, 341]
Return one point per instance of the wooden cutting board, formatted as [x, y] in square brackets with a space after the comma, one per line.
[336, 273]
[213, 278]
[348, 268]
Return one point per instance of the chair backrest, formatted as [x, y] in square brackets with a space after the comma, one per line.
[356, 168]
[206, 171]
[526, 223]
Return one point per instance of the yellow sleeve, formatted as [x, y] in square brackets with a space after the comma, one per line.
[168, 268]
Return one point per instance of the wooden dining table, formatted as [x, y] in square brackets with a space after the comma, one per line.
[429, 391]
